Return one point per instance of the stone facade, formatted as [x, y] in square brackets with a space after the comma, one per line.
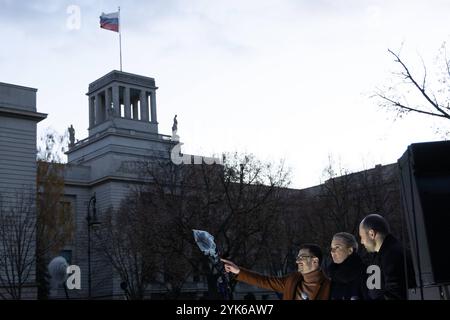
[18, 119]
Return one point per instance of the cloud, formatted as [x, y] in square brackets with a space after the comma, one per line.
[275, 77]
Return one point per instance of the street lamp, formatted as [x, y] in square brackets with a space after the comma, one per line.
[91, 221]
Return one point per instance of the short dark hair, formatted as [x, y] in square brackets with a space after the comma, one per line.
[314, 249]
[377, 223]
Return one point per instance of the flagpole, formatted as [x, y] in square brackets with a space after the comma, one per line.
[120, 41]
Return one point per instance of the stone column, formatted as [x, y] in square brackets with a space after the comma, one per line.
[135, 108]
[91, 112]
[116, 100]
[144, 105]
[98, 109]
[108, 105]
[153, 106]
[102, 107]
[126, 102]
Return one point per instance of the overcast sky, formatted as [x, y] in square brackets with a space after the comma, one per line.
[283, 79]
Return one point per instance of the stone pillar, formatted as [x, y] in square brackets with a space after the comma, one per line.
[153, 106]
[98, 109]
[134, 103]
[126, 102]
[108, 103]
[91, 112]
[115, 100]
[101, 99]
[144, 105]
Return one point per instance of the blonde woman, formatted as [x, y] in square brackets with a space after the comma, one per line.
[346, 271]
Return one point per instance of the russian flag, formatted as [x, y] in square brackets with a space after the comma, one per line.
[110, 21]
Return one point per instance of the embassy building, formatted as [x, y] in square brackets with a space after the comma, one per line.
[100, 172]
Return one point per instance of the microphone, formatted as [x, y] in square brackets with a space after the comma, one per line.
[57, 268]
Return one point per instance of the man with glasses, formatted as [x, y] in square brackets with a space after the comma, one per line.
[309, 283]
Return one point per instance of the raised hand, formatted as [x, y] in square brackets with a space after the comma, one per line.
[230, 266]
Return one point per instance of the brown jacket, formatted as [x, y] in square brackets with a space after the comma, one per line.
[315, 284]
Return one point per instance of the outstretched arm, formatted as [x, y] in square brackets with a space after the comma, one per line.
[255, 279]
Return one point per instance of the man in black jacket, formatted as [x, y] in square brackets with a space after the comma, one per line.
[389, 257]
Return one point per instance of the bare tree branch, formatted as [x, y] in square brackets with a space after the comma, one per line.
[430, 98]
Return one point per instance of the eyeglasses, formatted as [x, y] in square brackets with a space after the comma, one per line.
[303, 258]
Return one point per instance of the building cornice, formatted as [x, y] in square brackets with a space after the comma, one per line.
[23, 114]
[124, 77]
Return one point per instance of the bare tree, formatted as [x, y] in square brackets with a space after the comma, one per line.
[17, 243]
[345, 198]
[418, 92]
[127, 238]
[244, 202]
[287, 234]
[237, 202]
[173, 196]
[148, 240]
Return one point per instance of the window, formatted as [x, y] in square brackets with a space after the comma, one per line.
[67, 254]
